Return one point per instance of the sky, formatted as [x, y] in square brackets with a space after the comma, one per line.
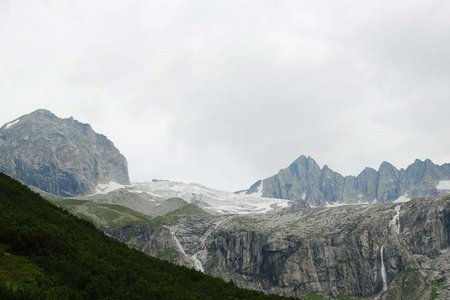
[224, 93]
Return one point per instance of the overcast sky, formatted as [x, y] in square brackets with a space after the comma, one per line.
[227, 92]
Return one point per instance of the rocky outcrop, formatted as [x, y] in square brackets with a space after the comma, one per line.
[372, 251]
[333, 251]
[153, 240]
[178, 237]
[60, 156]
[304, 179]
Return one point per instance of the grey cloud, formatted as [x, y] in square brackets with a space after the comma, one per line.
[227, 92]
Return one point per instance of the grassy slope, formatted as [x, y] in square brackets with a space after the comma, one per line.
[99, 213]
[47, 253]
[173, 217]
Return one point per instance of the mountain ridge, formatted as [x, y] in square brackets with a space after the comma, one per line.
[304, 179]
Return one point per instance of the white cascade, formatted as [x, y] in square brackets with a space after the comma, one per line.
[197, 263]
[193, 259]
[395, 222]
[383, 270]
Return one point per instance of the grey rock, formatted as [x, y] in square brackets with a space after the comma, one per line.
[332, 185]
[60, 156]
[351, 192]
[305, 180]
[153, 240]
[299, 250]
[388, 183]
[301, 180]
[334, 250]
[421, 177]
[368, 182]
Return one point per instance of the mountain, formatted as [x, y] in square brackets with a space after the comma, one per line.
[305, 180]
[321, 253]
[142, 215]
[255, 238]
[382, 251]
[60, 156]
[46, 253]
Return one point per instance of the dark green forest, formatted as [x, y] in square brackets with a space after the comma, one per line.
[46, 253]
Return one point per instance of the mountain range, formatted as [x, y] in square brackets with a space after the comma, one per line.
[285, 235]
[305, 180]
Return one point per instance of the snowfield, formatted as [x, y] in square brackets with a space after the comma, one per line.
[259, 191]
[12, 123]
[210, 199]
[105, 188]
[443, 185]
[402, 199]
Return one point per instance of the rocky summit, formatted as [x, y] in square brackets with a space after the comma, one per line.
[60, 156]
[304, 179]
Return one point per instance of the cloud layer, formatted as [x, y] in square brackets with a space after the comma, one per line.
[227, 92]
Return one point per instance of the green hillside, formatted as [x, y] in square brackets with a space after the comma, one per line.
[46, 253]
[100, 214]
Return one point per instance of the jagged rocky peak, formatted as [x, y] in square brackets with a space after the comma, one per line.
[305, 180]
[305, 163]
[255, 188]
[388, 169]
[421, 169]
[388, 183]
[61, 156]
[367, 183]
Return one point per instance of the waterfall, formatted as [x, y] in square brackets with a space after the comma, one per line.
[395, 222]
[197, 264]
[383, 269]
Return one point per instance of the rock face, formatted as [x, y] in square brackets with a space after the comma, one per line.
[335, 250]
[60, 156]
[153, 240]
[304, 179]
[349, 250]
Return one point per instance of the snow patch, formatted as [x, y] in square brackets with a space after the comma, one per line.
[12, 123]
[402, 199]
[259, 191]
[135, 191]
[303, 196]
[105, 188]
[443, 185]
[335, 204]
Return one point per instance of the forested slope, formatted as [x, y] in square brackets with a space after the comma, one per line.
[46, 253]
